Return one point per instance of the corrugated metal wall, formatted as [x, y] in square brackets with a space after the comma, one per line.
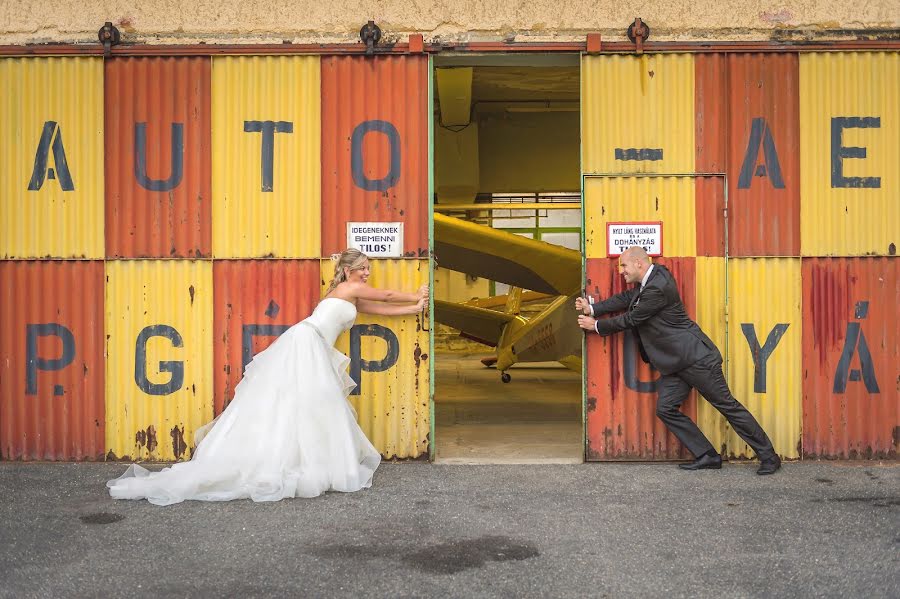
[849, 153]
[253, 186]
[52, 369]
[375, 147]
[255, 301]
[51, 157]
[265, 160]
[213, 165]
[764, 349]
[158, 160]
[641, 199]
[851, 358]
[637, 114]
[748, 127]
[159, 359]
[807, 144]
[621, 422]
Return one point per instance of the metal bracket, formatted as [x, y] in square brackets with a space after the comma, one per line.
[370, 34]
[108, 36]
[638, 32]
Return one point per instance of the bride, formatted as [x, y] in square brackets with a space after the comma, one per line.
[289, 431]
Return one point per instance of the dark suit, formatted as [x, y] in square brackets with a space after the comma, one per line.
[685, 357]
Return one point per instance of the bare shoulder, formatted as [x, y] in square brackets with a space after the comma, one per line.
[345, 290]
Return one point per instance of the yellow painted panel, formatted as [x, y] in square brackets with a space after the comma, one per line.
[51, 157]
[640, 199]
[764, 296]
[636, 107]
[266, 128]
[159, 386]
[849, 107]
[710, 305]
[392, 400]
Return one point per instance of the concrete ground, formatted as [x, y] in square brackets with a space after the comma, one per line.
[534, 419]
[585, 530]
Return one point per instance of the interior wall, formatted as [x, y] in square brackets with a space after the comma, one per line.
[529, 151]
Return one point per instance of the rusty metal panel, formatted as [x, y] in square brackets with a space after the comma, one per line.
[256, 301]
[711, 284]
[637, 114]
[850, 153]
[621, 422]
[389, 359]
[748, 126]
[51, 360]
[158, 158]
[639, 199]
[375, 147]
[266, 156]
[159, 357]
[51, 157]
[764, 349]
[851, 353]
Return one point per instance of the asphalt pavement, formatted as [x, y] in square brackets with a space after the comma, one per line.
[815, 529]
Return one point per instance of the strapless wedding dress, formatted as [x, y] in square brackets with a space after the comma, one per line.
[288, 432]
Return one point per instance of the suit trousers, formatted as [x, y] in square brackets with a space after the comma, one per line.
[706, 376]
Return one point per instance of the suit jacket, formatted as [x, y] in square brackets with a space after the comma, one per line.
[668, 338]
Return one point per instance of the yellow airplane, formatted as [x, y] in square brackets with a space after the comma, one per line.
[551, 335]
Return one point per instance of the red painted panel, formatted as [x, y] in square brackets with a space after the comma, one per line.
[52, 365]
[375, 147]
[748, 123]
[255, 301]
[621, 420]
[158, 203]
[851, 358]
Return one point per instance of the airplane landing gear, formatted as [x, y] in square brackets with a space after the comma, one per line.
[505, 377]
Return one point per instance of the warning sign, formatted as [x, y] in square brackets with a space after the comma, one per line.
[377, 240]
[621, 236]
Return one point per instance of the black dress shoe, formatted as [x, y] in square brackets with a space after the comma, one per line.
[769, 466]
[704, 462]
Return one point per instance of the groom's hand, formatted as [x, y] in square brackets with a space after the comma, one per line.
[587, 323]
[582, 305]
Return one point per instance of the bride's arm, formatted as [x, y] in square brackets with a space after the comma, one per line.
[384, 309]
[365, 292]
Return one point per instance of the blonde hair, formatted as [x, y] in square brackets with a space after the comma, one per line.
[350, 258]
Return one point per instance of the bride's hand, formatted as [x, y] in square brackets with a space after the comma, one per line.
[423, 293]
[422, 304]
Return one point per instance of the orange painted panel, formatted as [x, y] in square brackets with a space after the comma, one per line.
[52, 365]
[255, 301]
[158, 157]
[621, 389]
[375, 147]
[748, 126]
[851, 358]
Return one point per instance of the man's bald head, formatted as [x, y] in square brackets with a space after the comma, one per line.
[636, 252]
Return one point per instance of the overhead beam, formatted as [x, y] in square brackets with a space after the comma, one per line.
[455, 95]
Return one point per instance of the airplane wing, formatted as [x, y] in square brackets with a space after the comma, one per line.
[478, 324]
[505, 257]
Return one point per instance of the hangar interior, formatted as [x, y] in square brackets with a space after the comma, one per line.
[506, 137]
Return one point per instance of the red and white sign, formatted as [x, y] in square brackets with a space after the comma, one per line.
[621, 236]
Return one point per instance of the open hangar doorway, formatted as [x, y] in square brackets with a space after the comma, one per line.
[507, 239]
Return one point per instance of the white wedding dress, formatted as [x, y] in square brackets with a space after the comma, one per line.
[289, 432]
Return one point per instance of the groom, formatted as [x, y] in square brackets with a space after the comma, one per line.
[685, 357]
